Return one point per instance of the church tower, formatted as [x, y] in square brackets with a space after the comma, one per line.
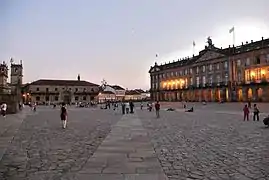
[3, 75]
[16, 73]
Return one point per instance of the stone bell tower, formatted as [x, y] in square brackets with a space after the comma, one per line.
[3, 77]
[16, 73]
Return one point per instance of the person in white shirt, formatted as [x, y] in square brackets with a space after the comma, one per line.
[4, 109]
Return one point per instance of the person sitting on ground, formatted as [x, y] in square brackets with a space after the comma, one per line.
[189, 110]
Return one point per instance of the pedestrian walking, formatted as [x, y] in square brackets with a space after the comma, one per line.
[141, 106]
[4, 109]
[256, 113]
[123, 107]
[246, 112]
[157, 108]
[64, 115]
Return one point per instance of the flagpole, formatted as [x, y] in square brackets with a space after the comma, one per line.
[234, 37]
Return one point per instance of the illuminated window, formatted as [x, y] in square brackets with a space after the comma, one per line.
[191, 69]
[186, 71]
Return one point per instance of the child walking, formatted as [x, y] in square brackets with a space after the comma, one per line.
[64, 115]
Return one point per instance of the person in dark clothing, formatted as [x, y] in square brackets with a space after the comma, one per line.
[256, 113]
[131, 107]
[157, 108]
[63, 115]
[246, 113]
[123, 107]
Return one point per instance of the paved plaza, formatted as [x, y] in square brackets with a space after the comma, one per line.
[211, 143]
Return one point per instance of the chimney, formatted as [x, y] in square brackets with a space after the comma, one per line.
[229, 46]
[242, 43]
[246, 42]
[220, 47]
[251, 41]
[262, 38]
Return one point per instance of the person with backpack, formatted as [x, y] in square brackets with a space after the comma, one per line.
[64, 115]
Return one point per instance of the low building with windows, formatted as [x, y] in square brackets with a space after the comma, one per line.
[135, 95]
[47, 91]
[236, 73]
[105, 96]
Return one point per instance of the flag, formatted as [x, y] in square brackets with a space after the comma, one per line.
[193, 43]
[231, 30]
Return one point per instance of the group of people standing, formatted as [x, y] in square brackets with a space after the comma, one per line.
[256, 112]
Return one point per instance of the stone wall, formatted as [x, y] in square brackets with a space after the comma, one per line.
[11, 101]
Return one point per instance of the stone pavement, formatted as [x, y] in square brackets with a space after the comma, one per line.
[126, 154]
[42, 150]
[9, 127]
[208, 145]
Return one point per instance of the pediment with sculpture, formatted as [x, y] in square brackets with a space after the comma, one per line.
[210, 55]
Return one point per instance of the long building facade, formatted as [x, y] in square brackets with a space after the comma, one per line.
[236, 73]
[47, 91]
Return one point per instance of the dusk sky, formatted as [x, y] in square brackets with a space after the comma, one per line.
[118, 39]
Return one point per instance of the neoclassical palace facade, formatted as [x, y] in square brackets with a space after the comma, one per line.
[235, 73]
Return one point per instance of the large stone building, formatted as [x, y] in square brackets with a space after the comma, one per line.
[46, 91]
[238, 73]
[10, 93]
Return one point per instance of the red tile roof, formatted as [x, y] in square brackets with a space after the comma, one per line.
[50, 82]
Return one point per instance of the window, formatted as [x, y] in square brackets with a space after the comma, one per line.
[217, 66]
[56, 98]
[258, 60]
[204, 81]
[267, 58]
[226, 77]
[76, 89]
[197, 81]
[70, 89]
[84, 98]
[191, 81]
[247, 61]
[210, 67]
[76, 98]
[180, 73]
[197, 70]
[47, 89]
[238, 63]
[37, 98]
[225, 65]
[210, 80]
[176, 73]
[191, 69]
[172, 73]
[37, 89]
[218, 79]
[47, 98]
[62, 88]
[186, 71]
[56, 89]
[203, 68]
[239, 76]
[84, 89]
